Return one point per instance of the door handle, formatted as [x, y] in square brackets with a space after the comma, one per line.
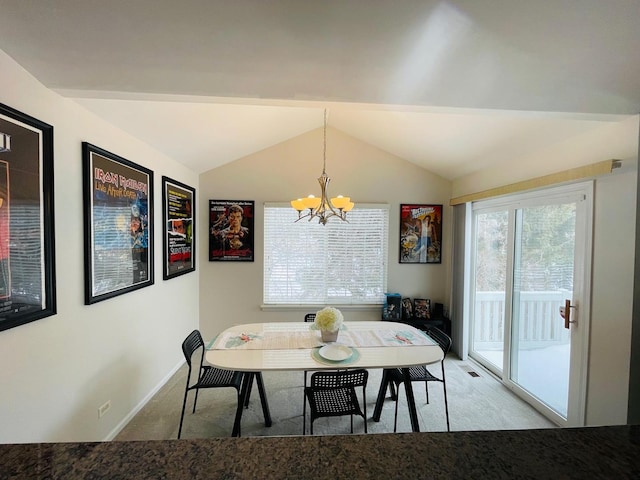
[565, 312]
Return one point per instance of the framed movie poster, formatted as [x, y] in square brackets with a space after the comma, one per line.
[27, 264]
[420, 233]
[178, 212]
[422, 308]
[231, 230]
[118, 224]
[407, 309]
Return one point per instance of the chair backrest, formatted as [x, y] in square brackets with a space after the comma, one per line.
[441, 338]
[310, 317]
[192, 343]
[342, 378]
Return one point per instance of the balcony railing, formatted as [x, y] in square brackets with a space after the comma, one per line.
[539, 319]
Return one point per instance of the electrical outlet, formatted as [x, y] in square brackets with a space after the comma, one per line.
[104, 408]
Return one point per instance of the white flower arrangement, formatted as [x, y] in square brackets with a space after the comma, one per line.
[329, 319]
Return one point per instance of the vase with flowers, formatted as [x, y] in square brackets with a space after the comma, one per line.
[328, 321]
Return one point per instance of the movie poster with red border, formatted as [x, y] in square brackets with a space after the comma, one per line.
[420, 233]
[231, 230]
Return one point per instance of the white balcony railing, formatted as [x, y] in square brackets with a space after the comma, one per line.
[539, 319]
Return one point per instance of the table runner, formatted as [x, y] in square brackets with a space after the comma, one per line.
[287, 340]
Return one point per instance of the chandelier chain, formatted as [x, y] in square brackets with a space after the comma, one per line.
[324, 151]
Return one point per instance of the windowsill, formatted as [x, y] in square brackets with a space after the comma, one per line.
[307, 308]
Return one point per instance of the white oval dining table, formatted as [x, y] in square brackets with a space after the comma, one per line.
[269, 358]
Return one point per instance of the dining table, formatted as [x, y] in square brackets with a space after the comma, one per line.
[290, 346]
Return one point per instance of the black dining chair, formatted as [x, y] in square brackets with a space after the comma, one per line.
[420, 373]
[308, 318]
[204, 376]
[333, 394]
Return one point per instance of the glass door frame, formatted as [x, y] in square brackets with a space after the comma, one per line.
[582, 194]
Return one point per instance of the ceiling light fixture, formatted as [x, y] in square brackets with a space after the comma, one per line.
[5, 142]
[322, 208]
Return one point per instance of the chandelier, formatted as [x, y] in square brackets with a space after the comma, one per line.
[322, 208]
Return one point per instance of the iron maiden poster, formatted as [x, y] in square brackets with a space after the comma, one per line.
[118, 225]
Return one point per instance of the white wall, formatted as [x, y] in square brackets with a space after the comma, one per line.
[57, 371]
[612, 299]
[613, 252]
[231, 292]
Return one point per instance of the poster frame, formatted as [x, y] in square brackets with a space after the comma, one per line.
[187, 213]
[99, 183]
[413, 249]
[33, 186]
[218, 214]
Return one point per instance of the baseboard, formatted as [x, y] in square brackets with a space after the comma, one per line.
[118, 428]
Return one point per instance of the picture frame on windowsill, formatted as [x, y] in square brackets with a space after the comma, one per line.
[421, 308]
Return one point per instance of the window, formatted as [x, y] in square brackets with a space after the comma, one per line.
[340, 263]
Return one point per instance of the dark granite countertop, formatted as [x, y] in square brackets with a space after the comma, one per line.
[585, 453]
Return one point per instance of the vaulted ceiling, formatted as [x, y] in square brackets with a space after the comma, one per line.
[453, 86]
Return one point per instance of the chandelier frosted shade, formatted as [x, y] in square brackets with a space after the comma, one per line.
[323, 208]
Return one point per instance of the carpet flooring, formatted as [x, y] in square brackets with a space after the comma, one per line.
[477, 401]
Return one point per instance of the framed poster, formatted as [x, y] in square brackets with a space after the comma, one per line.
[178, 213]
[407, 309]
[118, 224]
[231, 230]
[27, 264]
[422, 308]
[420, 233]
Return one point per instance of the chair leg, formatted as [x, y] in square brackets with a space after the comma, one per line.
[304, 416]
[364, 402]
[304, 405]
[446, 404]
[195, 400]
[184, 405]
[426, 390]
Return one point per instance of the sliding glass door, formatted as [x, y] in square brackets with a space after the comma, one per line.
[490, 287]
[531, 258]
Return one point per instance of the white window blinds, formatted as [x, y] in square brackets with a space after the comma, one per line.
[334, 264]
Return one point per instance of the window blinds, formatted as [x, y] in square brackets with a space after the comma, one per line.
[338, 263]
